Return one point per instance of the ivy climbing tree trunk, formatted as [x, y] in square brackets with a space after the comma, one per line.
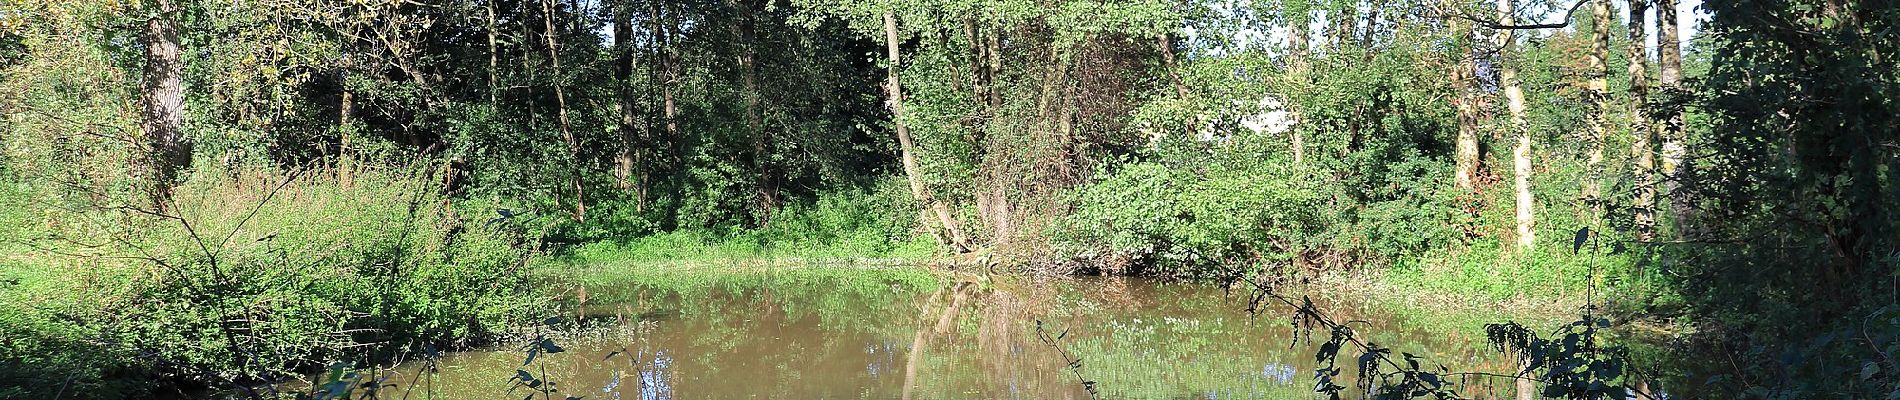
[1298, 37]
[1464, 71]
[1675, 168]
[1165, 43]
[1642, 137]
[1596, 99]
[979, 72]
[907, 149]
[1343, 27]
[625, 158]
[995, 54]
[1299, 43]
[162, 105]
[345, 116]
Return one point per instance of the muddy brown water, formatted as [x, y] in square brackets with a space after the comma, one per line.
[1133, 338]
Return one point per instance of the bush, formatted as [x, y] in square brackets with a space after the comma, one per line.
[879, 221]
[1194, 222]
[259, 275]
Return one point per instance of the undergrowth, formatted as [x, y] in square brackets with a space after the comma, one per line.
[245, 277]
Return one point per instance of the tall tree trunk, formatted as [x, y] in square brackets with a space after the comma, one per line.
[995, 54]
[1643, 138]
[1519, 127]
[1298, 39]
[1344, 23]
[669, 86]
[345, 113]
[494, 55]
[1165, 43]
[767, 187]
[992, 205]
[908, 149]
[1299, 45]
[560, 103]
[1675, 168]
[630, 155]
[1464, 71]
[1372, 26]
[1596, 99]
[162, 101]
[979, 73]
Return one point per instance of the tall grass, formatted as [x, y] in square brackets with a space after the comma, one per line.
[247, 276]
[835, 226]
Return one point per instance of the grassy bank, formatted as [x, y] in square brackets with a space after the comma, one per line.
[246, 277]
[1461, 292]
[878, 222]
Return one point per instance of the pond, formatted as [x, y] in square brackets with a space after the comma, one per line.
[851, 335]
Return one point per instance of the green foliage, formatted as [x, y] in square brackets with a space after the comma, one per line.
[1193, 221]
[754, 129]
[1791, 260]
[1213, 197]
[45, 353]
[257, 277]
[877, 222]
[1572, 362]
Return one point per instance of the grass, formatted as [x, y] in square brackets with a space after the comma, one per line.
[247, 276]
[708, 247]
[693, 278]
[843, 225]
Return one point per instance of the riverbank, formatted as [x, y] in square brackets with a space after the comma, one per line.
[600, 284]
[817, 329]
[247, 277]
[1420, 304]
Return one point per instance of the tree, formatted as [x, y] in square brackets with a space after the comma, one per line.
[626, 159]
[1464, 72]
[1674, 142]
[1596, 100]
[907, 148]
[745, 34]
[1643, 137]
[666, 26]
[1299, 43]
[494, 52]
[1518, 126]
[162, 103]
[560, 109]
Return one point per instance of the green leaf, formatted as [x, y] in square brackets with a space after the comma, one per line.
[1583, 235]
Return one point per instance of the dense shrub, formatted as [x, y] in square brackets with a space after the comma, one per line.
[1194, 221]
[254, 276]
[878, 221]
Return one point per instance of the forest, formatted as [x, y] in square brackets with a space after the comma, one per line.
[255, 199]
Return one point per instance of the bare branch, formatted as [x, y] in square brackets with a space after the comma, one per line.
[1494, 24]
